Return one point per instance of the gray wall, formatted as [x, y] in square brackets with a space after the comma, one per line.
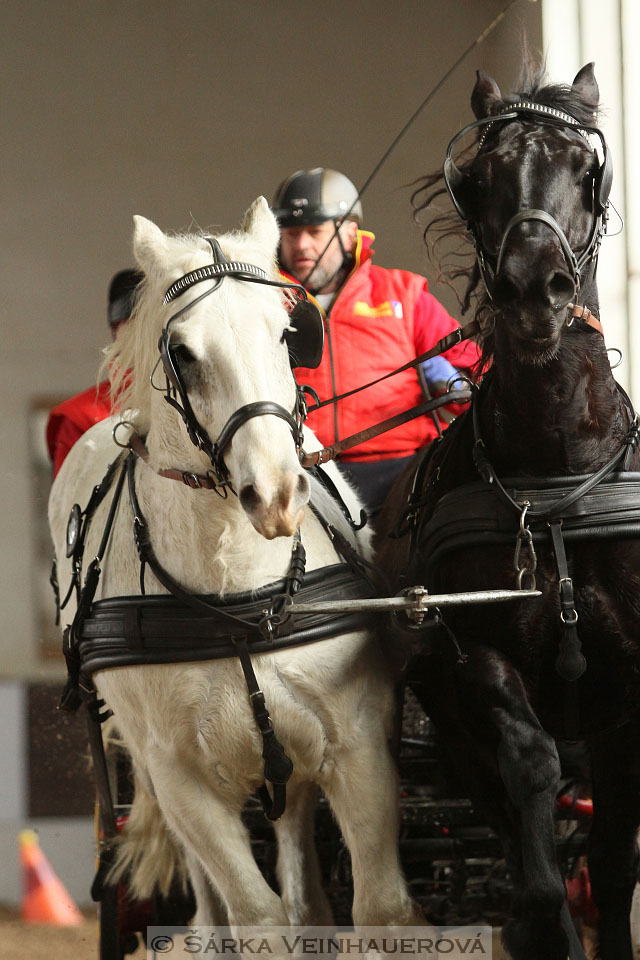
[183, 112]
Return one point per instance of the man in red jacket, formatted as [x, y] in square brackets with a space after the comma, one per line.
[375, 320]
[73, 417]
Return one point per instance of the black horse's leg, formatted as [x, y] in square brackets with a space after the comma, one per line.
[530, 769]
[500, 744]
[613, 849]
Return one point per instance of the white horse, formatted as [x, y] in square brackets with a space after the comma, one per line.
[189, 727]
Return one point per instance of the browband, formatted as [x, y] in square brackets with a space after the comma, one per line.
[532, 107]
[211, 270]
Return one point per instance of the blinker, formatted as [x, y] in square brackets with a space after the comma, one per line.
[306, 341]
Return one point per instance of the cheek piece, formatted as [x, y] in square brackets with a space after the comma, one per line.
[456, 181]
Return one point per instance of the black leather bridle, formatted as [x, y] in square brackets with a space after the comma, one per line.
[527, 111]
[302, 316]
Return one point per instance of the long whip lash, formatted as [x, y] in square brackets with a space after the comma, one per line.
[414, 116]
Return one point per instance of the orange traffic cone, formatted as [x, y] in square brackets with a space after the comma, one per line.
[45, 898]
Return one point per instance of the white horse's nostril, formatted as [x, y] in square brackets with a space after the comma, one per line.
[249, 497]
[277, 510]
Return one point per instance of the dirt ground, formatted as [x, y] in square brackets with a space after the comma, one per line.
[20, 941]
[25, 942]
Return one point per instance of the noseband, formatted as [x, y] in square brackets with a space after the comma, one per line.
[534, 113]
[176, 393]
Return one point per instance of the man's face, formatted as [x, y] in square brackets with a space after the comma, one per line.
[301, 246]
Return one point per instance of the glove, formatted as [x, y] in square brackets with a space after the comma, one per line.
[441, 375]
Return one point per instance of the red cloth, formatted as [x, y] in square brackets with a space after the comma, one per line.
[73, 417]
[380, 320]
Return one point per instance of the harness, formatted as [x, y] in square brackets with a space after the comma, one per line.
[603, 506]
[183, 627]
[454, 178]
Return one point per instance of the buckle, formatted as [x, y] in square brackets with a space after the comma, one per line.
[191, 480]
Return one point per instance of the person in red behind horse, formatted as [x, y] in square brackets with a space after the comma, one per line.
[73, 417]
[375, 320]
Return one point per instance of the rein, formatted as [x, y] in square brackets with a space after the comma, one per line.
[453, 396]
[458, 335]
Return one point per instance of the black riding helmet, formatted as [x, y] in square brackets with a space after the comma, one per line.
[309, 197]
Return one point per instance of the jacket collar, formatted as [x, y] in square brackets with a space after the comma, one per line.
[362, 253]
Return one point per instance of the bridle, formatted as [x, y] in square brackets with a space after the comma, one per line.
[538, 113]
[302, 316]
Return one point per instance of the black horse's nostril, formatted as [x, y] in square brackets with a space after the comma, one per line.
[560, 289]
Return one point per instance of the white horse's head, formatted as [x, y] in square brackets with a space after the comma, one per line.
[229, 351]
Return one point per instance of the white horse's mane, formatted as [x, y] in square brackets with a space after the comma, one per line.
[135, 350]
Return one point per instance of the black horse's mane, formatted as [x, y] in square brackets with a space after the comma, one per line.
[448, 244]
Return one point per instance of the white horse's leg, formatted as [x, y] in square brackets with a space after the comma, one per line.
[298, 867]
[362, 788]
[210, 907]
[211, 829]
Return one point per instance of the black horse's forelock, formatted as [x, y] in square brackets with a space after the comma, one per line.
[533, 86]
[445, 231]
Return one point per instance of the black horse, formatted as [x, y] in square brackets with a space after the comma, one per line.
[534, 486]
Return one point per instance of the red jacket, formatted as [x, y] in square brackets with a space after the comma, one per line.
[380, 320]
[73, 417]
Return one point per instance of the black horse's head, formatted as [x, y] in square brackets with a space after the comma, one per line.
[534, 196]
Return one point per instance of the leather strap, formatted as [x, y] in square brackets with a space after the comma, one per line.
[277, 765]
[570, 662]
[583, 313]
[332, 451]
[196, 481]
[451, 340]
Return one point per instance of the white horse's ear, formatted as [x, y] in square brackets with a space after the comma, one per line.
[149, 244]
[261, 225]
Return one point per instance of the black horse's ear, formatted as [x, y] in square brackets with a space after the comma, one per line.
[585, 86]
[486, 95]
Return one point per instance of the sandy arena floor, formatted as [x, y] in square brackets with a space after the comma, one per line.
[24, 942]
